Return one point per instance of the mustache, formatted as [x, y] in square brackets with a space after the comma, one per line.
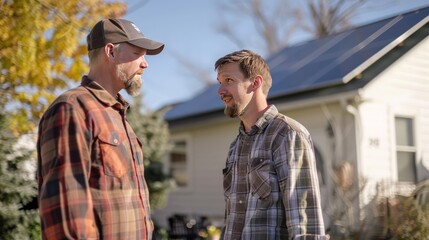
[137, 73]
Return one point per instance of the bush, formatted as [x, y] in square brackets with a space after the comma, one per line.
[412, 221]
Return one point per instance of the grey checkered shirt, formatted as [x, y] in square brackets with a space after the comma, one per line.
[270, 182]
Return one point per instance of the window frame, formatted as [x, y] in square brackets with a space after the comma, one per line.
[188, 157]
[404, 148]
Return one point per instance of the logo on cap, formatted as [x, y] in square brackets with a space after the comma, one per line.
[136, 28]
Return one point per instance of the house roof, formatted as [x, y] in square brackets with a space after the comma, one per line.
[329, 62]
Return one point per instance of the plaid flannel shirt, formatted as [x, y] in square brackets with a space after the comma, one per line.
[270, 183]
[90, 169]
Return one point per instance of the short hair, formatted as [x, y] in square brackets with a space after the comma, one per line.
[95, 54]
[251, 65]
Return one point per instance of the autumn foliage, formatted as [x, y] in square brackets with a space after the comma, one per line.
[43, 51]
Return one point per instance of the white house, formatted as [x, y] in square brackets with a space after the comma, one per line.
[364, 96]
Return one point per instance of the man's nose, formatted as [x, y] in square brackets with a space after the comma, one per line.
[221, 90]
[144, 63]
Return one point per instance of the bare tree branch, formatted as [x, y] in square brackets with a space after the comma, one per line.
[273, 26]
[200, 74]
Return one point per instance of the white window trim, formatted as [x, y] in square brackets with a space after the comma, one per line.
[189, 162]
[411, 114]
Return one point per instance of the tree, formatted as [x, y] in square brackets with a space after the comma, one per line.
[153, 132]
[327, 17]
[17, 187]
[273, 24]
[42, 50]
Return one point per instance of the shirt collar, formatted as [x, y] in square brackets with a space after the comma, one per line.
[262, 122]
[103, 96]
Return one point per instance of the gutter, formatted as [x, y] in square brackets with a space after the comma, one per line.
[286, 106]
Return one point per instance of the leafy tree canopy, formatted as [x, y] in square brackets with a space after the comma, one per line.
[43, 49]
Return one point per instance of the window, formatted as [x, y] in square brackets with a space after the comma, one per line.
[405, 149]
[178, 163]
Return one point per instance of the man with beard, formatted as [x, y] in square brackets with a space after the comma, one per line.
[90, 162]
[270, 179]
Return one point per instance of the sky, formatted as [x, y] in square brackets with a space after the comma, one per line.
[188, 28]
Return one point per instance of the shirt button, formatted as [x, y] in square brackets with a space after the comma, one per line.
[241, 201]
[115, 141]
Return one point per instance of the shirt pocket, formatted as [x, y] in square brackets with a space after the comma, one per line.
[114, 154]
[260, 177]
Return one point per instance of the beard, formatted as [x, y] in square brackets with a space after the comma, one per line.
[132, 84]
[234, 110]
[231, 111]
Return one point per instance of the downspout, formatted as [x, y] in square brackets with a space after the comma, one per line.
[335, 132]
[352, 108]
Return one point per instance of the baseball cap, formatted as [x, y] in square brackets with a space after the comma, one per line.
[119, 31]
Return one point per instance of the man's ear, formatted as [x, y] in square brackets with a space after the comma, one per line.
[256, 82]
[109, 51]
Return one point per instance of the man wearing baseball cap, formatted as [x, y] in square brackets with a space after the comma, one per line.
[90, 161]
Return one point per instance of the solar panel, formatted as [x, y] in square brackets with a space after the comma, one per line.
[339, 55]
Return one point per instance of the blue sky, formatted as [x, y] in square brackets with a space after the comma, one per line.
[188, 29]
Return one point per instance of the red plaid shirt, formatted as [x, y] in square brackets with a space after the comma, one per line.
[90, 169]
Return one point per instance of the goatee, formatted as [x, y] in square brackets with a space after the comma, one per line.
[234, 111]
[132, 84]
[231, 112]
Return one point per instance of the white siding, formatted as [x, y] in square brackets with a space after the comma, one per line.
[401, 90]
[336, 149]
[204, 196]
